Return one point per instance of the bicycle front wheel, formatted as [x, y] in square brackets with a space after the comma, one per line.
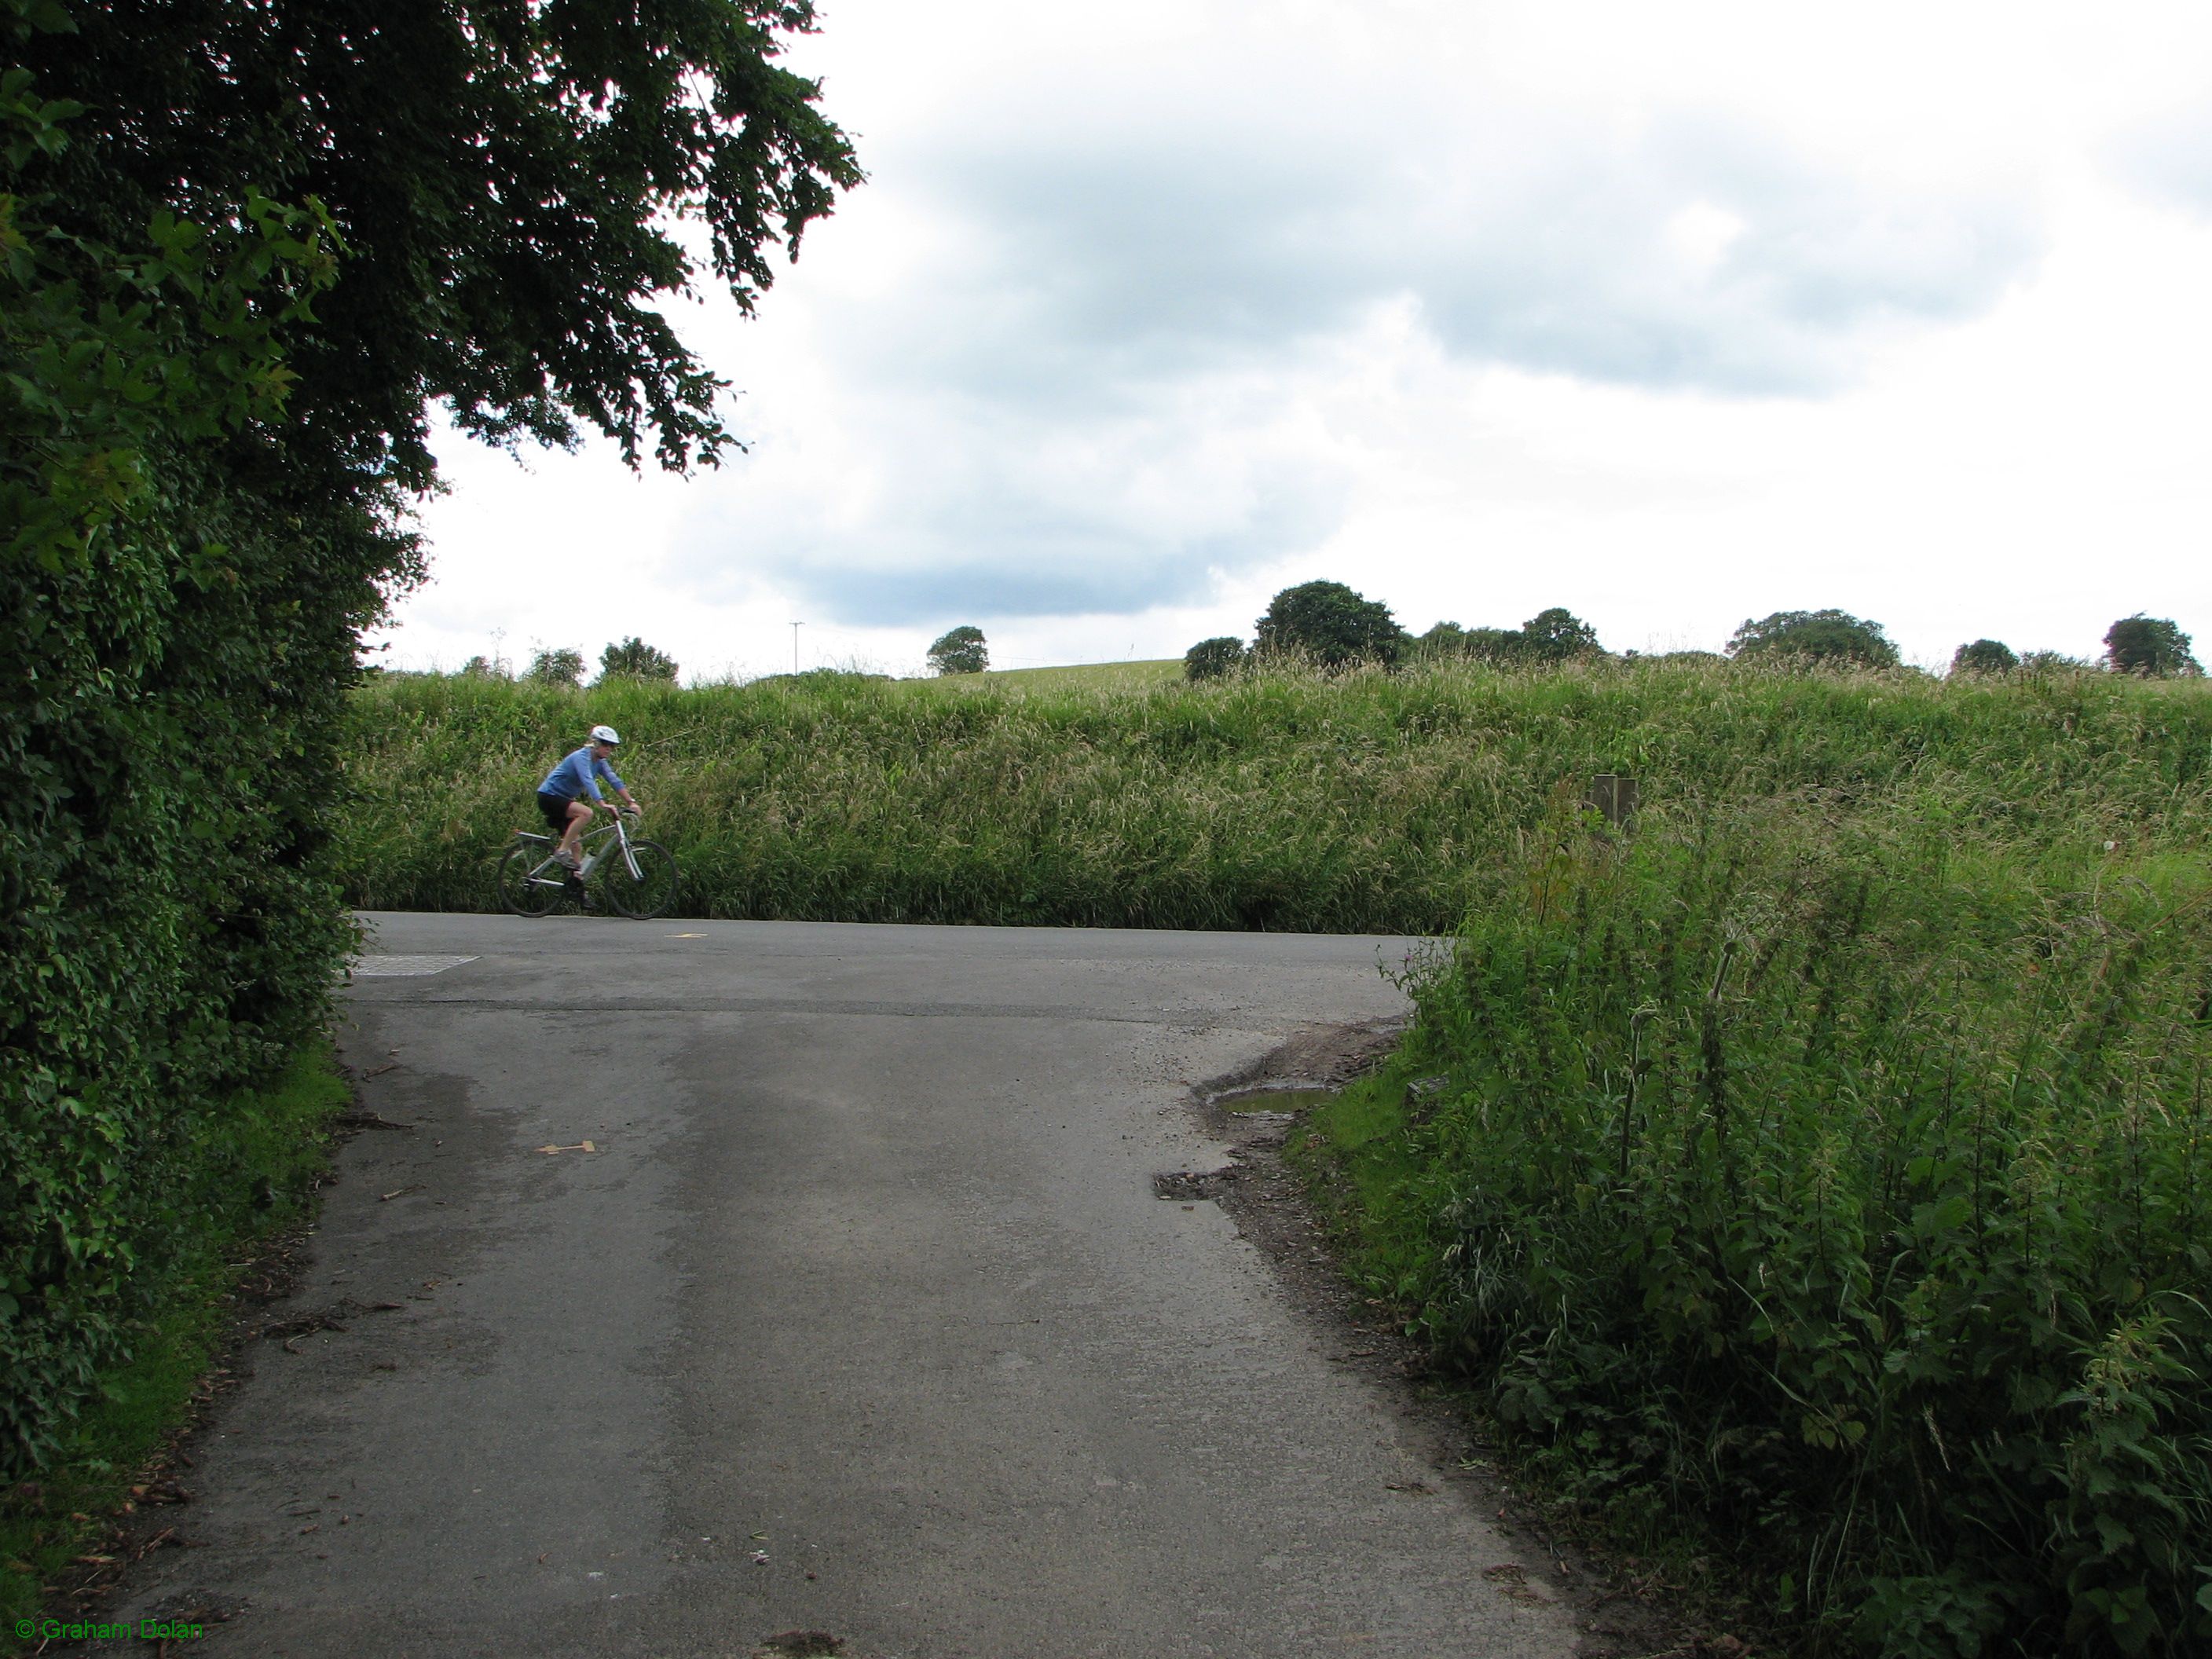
[530, 882]
[651, 890]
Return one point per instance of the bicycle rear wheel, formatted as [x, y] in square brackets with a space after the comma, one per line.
[651, 891]
[530, 882]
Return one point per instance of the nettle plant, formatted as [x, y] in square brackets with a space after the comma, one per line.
[1845, 1183]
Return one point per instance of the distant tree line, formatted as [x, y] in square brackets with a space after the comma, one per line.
[560, 664]
[1328, 625]
[960, 650]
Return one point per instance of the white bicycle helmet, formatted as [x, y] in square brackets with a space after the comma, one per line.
[606, 734]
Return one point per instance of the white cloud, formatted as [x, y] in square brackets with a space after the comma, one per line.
[2168, 156]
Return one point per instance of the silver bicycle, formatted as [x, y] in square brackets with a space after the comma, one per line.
[636, 877]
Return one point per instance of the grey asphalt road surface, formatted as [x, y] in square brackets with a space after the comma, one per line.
[857, 1315]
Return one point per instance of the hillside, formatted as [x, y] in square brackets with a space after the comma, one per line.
[1364, 804]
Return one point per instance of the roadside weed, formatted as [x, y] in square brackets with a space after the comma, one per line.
[1839, 1191]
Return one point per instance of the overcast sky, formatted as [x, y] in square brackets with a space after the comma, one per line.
[1674, 316]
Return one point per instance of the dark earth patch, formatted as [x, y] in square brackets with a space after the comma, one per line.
[1189, 1184]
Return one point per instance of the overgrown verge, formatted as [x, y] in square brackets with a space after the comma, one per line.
[185, 586]
[1366, 802]
[244, 1174]
[1825, 1180]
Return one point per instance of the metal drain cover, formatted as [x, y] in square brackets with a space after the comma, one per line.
[404, 967]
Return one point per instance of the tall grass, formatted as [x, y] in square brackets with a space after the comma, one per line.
[1370, 803]
[1834, 1175]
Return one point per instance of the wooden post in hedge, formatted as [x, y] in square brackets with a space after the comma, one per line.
[1615, 797]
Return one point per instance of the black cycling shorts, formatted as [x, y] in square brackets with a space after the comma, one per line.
[556, 808]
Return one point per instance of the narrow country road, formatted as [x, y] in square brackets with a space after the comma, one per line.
[858, 1315]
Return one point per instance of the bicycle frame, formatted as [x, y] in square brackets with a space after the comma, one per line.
[591, 860]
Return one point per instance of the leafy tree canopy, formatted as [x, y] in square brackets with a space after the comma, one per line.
[1985, 657]
[1557, 635]
[1448, 640]
[1829, 636]
[1553, 635]
[504, 177]
[1497, 646]
[1329, 624]
[2151, 646]
[634, 660]
[558, 664]
[960, 650]
[1445, 640]
[1209, 659]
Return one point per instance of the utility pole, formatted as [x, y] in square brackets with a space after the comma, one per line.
[795, 627]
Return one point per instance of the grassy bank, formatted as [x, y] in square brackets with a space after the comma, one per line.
[1369, 804]
[252, 1170]
[1826, 1178]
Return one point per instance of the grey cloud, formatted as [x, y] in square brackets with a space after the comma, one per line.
[1204, 246]
[975, 524]
[1579, 271]
[1126, 258]
[1073, 576]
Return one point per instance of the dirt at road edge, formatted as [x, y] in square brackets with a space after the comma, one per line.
[1268, 1202]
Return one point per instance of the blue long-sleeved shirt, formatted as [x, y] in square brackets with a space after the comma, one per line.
[573, 777]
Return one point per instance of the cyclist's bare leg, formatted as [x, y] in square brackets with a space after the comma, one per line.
[571, 837]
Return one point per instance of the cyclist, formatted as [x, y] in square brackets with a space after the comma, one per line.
[559, 798]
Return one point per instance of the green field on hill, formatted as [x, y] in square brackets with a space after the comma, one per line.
[1148, 676]
[1820, 1173]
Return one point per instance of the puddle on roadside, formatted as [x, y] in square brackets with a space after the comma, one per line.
[1273, 1102]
